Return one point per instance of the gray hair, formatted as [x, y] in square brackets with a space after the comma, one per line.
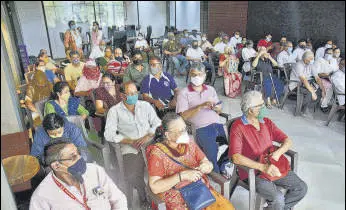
[247, 100]
[197, 66]
[52, 151]
[307, 54]
[168, 118]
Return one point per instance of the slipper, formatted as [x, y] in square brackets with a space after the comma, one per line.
[269, 106]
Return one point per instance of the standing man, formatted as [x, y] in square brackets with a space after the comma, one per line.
[73, 40]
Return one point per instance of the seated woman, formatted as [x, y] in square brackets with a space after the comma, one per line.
[103, 61]
[54, 127]
[250, 137]
[164, 174]
[264, 63]
[63, 103]
[41, 66]
[90, 79]
[39, 88]
[118, 65]
[50, 66]
[137, 70]
[232, 78]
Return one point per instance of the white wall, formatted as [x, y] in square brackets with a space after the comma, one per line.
[31, 20]
[188, 15]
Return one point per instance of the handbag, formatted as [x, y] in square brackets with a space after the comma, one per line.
[282, 164]
[196, 195]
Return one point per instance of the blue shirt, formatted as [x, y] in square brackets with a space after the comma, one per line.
[41, 139]
[159, 89]
[50, 75]
[185, 41]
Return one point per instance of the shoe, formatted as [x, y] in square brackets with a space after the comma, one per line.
[325, 109]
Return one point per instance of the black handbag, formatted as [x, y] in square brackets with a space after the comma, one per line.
[196, 195]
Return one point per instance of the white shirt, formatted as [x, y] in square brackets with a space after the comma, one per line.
[320, 52]
[141, 43]
[96, 53]
[121, 123]
[298, 53]
[205, 45]
[195, 53]
[284, 57]
[247, 53]
[301, 69]
[220, 47]
[49, 196]
[321, 65]
[338, 79]
[234, 41]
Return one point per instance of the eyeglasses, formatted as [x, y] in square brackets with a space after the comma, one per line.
[179, 132]
[260, 106]
[73, 158]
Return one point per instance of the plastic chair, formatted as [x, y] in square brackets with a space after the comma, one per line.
[336, 107]
[255, 200]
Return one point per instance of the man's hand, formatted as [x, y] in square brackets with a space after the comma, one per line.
[276, 155]
[159, 105]
[139, 142]
[271, 170]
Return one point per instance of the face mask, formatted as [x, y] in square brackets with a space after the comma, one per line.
[328, 46]
[197, 81]
[243, 42]
[302, 46]
[108, 54]
[268, 39]
[236, 36]
[183, 139]
[131, 100]
[328, 57]
[290, 49]
[154, 71]
[186, 35]
[204, 38]
[311, 62]
[137, 62]
[337, 55]
[73, 27]
[66, 97]
[78, 169]
[46, 60]
[41, 68]
[250, 46]
[102, 48]
[56, 136]
[262, 113]
[119, 58]
[75, 61]
[94, 28]
[195, 46]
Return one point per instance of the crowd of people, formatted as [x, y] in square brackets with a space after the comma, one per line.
[137, 98]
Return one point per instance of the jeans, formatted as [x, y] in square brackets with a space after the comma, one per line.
[180, 59]
[206, 140]
[296, 190]
[267, 84]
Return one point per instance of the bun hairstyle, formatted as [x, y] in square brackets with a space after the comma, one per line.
[57, 88]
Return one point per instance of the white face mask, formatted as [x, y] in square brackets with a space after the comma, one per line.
[41, 68]
[197, 81]
[337, 55]
[236, 36]
[183, 139]
[268, 39]
[204, 38]
[328, 57]
[328, 46]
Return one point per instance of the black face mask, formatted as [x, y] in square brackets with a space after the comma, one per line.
[119, 58]
[195, 46]
[302, 46]
[138, 62]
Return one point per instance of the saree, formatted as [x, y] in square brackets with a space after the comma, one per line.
[160, 165]
[232, 78]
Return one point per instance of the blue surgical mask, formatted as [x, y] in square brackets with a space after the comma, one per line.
[311, 62]
[131, 100]
[290, 49]
[78, 169]
[73, 27]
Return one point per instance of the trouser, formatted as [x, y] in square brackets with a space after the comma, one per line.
[134, 174]
[177, 60]
[267, 84]
[329, 93]
[307, 98]
[296, 190]
[209, 69]
[206, 140]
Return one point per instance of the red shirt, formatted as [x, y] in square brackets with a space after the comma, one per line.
[247, 141]
[264, 43]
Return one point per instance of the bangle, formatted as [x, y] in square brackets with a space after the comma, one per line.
[179, 177]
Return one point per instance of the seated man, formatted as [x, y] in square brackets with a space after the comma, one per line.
[196, 54]
[158, 87]
[320, 52]
[197, 104]
[338, 80]
[75, 184]
[250, 137]
[303, 71]
[278, 47]
[73, 71]
[323, 68]
[173, 50]
[132, 123]
[220, 47]
[285, 56]
[300, 50]
[205, 44]
[267, 43]
[55, 126]
[137, 70]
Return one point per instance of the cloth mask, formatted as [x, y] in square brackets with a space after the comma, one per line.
[138, 62]
[186, 35]
[302, 46]
[262, 113]
[78, 169]
[108, 87]
[108, 54]
[328, 46]
[328, 57]
[131, 100]
[119, 58]
[236, 36]
[198, 80]
[311, 62]
[155, 70]
[183, 139]
[290, 49]
[46, 60]
[75, 61]
[268, 39]
[337, 55]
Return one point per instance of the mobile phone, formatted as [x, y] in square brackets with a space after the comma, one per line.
[218, 103]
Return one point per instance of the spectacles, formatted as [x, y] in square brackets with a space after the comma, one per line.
[73, 158]
[179, 132]
[260, 106]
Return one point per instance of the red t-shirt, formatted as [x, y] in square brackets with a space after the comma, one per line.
[247, 141]
[264, 43]
[117, 67]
